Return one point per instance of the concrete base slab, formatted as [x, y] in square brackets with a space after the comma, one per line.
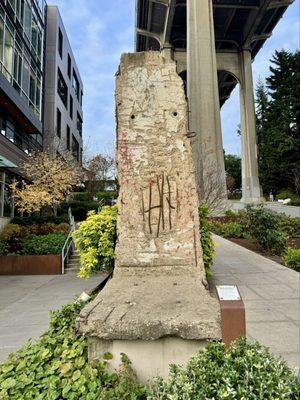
[151, 303]
[151, 358]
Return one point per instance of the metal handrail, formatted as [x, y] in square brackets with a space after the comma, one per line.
[69, 243]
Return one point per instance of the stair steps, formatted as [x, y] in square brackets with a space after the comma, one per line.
[73, 263]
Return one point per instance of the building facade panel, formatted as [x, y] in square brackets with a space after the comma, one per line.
[63, 90]
[22, 34]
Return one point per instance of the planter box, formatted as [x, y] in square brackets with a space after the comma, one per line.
[30, 265]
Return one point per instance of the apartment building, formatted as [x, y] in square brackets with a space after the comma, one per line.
[63, 91]
[40, 89]
[22, 34]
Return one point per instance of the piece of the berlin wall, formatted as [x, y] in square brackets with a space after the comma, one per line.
[158, 206]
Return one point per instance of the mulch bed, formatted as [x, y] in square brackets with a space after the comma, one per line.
[252, 245]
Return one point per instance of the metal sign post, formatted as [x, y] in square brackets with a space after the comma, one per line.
[233, 321]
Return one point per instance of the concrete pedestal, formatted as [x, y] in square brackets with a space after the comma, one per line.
[149, 358]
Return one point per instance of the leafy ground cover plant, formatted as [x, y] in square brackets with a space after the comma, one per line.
[291, 258]
[207, 244]
[244, 371]
[289, 226]
[45, 244]
[57, 368]
[95, 241]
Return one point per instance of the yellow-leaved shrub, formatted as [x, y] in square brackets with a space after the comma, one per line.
[95, 240]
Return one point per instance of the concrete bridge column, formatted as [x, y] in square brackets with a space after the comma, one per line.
[203, 96]
[250, 182]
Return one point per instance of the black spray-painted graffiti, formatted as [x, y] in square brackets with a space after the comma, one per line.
[158, 204]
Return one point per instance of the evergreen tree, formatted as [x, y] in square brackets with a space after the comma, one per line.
[233, 169]
[278, 124]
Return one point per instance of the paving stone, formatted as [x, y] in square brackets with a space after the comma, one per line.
[278, 291]
[281, 337]
[271, 296]
[293, 359]
[25, 302]
[264, 314]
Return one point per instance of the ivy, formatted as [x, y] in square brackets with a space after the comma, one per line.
[57, 367]
[207, 244]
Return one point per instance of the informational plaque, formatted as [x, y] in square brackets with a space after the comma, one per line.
[228, 292]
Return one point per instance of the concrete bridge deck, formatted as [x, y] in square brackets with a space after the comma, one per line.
[271, 295]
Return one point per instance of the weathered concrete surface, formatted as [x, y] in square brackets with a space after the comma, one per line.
[270, 293]
[153, 358]
[158, 221]
[148, 305]
[158, 287]
[25, 302]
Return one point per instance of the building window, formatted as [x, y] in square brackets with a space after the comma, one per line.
[62, 88]
[58, 123]
[60, 43]
[69, 66]
[1, 40]
[75, 148]
[68, 138]
[75, 84]
[25, 78]
[71, 107]
[27, 19]
[8, 53]
[79, 124]
[81, 97]
[17, 71]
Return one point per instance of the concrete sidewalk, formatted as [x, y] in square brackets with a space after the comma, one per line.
[25, 302]
[271, 295]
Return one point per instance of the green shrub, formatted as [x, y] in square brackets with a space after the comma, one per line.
[288, 194]
[3, 248]
[12, 236]
[79, 209]
[83, 196]
[95, 241]
[57, 368]
[207, 244]
[289, 226]
[45, 229]
[37, 219]
[244, 371]
[264, 226]
[45, 244]
[228, 230]
[291, 258]
[107, 195]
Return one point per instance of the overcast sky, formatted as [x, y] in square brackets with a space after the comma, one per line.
[100, 30]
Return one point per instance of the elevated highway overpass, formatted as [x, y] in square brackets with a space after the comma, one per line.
[214, 43]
